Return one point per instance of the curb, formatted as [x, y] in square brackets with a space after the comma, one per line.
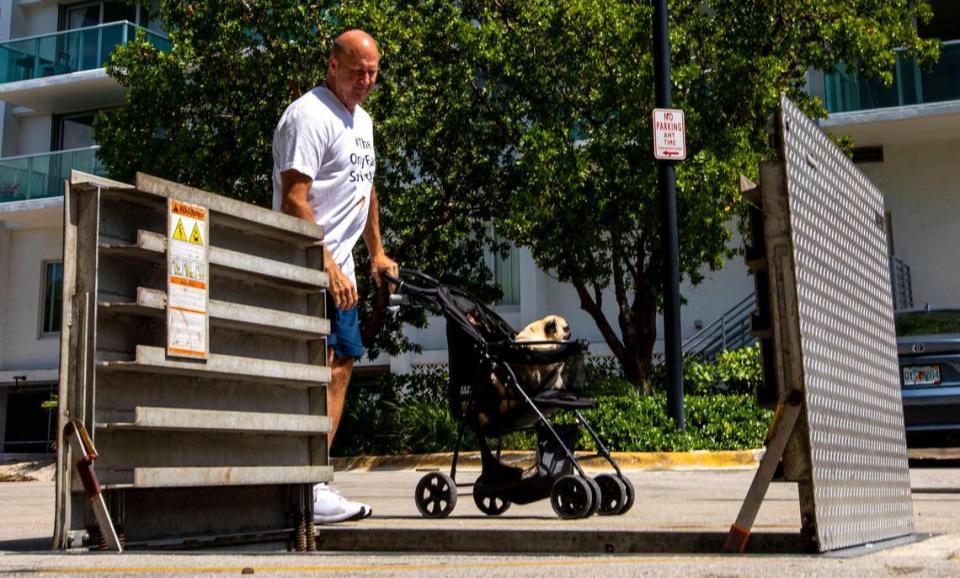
[697, 460]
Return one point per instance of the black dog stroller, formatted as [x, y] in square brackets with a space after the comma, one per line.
[486, 395]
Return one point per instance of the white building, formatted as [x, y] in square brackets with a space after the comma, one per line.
[52, 82]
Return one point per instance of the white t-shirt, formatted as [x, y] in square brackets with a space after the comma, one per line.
[318, 137]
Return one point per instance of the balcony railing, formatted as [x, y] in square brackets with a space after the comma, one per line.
[42, 175]
[68, 51]
[902, 283]
[912, 84]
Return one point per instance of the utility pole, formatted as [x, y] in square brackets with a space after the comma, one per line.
[668, 218]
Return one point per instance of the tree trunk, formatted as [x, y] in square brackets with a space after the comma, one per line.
[638, 328]
[639, 331]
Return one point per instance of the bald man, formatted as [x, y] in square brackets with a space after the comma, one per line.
[323, 169]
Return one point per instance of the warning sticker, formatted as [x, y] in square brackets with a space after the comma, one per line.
[195, 237]
[178, 233]
[187, 281]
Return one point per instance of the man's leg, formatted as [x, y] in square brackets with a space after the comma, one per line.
[344, 347]
[341, 368]
[328, 505]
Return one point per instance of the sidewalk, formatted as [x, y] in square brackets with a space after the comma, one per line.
[671, 506]
[673, 531]
[627, 460]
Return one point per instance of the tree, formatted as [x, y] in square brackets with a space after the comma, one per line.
[204, 114]
[533, 115]
[569, 84]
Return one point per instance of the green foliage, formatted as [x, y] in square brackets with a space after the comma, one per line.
[367, 426]
[204, 114]
[409, 414]
[603, 376]
[733, 371]
[714, 422]
[378, 416]
[426, 427]
[551, 95]
[530, 114]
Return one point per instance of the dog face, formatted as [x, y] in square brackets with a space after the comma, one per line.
[550, 328]
[556, 328]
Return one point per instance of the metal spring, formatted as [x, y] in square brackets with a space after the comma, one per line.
[301, 537]
[311, 531]
[101, 540]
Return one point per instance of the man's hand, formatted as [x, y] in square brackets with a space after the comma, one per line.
[383, 264]
[341, 289]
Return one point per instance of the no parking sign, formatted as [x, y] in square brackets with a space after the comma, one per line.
[669, 134]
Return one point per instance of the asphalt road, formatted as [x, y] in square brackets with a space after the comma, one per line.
[670, 504]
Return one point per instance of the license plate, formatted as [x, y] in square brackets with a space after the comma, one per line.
[921, 375]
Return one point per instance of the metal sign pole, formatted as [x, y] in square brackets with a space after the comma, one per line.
[668, 216]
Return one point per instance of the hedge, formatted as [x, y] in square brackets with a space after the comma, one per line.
[397, 414]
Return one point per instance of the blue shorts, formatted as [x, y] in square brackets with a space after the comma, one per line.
[344, 335]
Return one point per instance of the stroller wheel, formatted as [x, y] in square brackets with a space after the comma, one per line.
[613, 494]
[572, 497]
[628, 503]
[436, 495]
[487, 503]
[595, 491]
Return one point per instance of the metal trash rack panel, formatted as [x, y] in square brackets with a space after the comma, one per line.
[834, 337]
[224, 449]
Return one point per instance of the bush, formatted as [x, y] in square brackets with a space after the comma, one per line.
[409, 414]
[365, 428]
[714, 422]
[735, 371]
[603, 376]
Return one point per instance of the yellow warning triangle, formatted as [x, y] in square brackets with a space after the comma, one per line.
[195, 237]
[179, 234]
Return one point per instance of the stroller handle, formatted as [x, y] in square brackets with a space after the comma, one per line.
[403, 290]
[431, 283]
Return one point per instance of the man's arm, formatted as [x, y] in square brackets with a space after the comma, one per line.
[296, 188]
[371, 236]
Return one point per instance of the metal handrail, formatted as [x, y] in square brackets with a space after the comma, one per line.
[717, 331]
[39, 175]
[844, 90]
[84, 29]
[69, 51]
[50, 153]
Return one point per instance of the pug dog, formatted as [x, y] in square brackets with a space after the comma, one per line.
[550, 328]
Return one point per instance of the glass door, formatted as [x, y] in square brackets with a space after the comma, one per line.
[75, 131]
[88, 49]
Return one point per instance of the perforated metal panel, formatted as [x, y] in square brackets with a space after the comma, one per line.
[858, 461]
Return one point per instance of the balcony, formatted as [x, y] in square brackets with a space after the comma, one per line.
[922, 105]
[41, 176]
[912, 85]
[64, 71]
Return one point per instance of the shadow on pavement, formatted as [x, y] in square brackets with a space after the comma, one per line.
[25, 545]
[573, 541]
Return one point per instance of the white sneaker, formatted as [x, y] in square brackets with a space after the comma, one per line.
[329, 506]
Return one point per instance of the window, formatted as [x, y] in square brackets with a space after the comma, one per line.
[50, 308]
[506, 270]
[945, 24]
[88, 14]
[506, 274]
[73, 131]
[30, 427]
